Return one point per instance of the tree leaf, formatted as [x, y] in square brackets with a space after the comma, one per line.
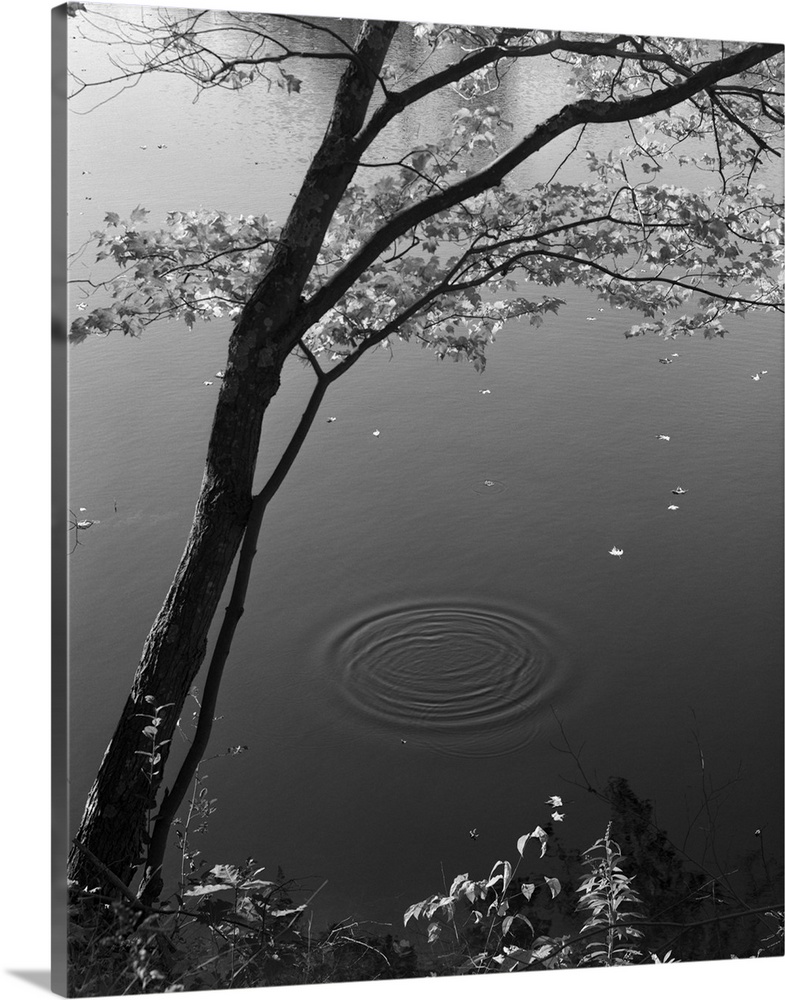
[139, 214]
[205, 890]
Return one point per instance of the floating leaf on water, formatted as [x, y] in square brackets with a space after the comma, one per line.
[486, 486]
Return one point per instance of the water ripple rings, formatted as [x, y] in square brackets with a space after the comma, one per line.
[462, 679]
[489, 486]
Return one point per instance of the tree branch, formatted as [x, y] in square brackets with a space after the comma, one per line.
[779, 306]
[173, 797]
[578, 113]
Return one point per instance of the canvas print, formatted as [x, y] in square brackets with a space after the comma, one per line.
[422, 551]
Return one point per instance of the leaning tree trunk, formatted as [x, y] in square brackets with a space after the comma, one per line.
[115, 817]
[114, 823]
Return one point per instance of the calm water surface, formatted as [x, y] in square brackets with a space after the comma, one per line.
[448, 582]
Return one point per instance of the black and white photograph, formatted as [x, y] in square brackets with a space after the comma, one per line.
[417, 584]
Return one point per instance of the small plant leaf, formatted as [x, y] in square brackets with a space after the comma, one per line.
[204, 890]
[139, 214]
[288, 913]
[537, 832]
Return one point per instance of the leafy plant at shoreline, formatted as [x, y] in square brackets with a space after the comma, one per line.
[200, 805]
[685, 913]
[607, 893]
[154, 755]
[234, 928]
[230, 927]
[225, 928]
[492, 906]
[489, 908]
[230, 930]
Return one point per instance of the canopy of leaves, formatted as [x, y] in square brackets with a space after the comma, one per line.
[684, 260]
[202, 265]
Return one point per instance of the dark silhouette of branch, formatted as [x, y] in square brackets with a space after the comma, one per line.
[578, 113]
[173, 797]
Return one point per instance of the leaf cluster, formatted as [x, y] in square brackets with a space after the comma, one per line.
[202, 265]
[491, 918]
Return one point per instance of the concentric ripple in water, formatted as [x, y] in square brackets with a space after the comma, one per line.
[489, 486]
[462, 679]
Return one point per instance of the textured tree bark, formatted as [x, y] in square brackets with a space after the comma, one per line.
[114, 823]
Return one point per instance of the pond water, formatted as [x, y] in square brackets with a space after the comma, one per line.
[428, 601]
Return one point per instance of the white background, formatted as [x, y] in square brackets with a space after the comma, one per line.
[25, 513]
